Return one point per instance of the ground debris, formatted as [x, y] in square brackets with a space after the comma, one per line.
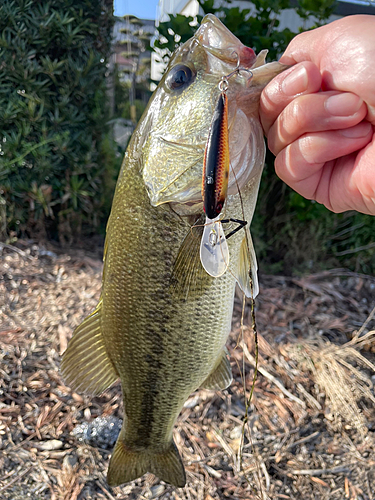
[310, 432]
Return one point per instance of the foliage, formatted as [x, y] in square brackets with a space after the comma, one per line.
[256, 27]
[54, 145]
[139, 109]
[122, 97]
[173, 33]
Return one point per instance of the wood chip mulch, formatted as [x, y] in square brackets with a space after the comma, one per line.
[310, 430]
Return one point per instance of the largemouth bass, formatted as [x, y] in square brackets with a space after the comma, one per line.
[162, 322]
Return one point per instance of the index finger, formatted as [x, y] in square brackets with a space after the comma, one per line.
[303, 78]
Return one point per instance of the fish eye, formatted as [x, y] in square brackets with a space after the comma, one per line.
[179, 77]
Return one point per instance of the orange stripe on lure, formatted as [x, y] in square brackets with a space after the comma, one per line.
[216, 161]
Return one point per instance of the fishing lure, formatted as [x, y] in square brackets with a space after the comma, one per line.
[216, 160]
[214, 252]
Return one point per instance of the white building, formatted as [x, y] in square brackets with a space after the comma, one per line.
[289, 18]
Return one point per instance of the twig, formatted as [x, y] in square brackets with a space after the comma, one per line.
[202, 460]
[212, 471]
[319, 472]
[369, 318]
[270, 377]
[308, 396]
[7, 475]
[303, 440]
[355, 250]
[19, 445]
[19, 476]
[105, 491]
[224, 445]
[266, 475]
[15, 249]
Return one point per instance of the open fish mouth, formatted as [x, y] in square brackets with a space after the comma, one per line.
[173, 151]
[218, 41]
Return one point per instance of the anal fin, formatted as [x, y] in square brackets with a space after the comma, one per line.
[127, 464]
[221, 376]
[85, 364]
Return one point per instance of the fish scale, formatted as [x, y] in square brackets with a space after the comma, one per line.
[162, 323]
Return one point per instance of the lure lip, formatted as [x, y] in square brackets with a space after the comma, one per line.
[214, 255]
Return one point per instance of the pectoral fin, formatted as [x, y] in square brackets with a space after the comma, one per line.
[188, 278]
[221, 377]
[85, 364]
[127, 464]
[248, 263]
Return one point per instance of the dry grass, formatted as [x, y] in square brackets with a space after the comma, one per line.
[310, 432]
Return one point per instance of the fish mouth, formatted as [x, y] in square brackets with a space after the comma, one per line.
[173, 164]
[217, 40]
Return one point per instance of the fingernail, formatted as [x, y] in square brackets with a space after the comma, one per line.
[296, 82]
[345, 104]
[360, 130]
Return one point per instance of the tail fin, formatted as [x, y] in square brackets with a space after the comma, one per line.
[126, 464]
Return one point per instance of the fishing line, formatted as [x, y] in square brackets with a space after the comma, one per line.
[213, 201]
[256, 347]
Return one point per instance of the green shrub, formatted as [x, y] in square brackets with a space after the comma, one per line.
[54, 142]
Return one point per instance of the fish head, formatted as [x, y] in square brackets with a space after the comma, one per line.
[175, 125]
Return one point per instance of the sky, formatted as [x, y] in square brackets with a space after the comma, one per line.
[145, 9]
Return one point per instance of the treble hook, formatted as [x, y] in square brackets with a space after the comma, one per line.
[223, 84]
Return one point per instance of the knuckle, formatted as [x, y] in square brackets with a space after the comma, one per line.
[288, 127]
[294, 122]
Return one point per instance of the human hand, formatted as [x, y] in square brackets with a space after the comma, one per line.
[319, 116]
